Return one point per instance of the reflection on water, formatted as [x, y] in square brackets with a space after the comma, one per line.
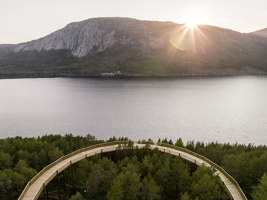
[224, 109]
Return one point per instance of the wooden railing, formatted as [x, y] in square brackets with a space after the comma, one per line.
[214, 165]
[64, 158]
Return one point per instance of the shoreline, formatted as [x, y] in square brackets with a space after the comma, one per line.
[137, 76]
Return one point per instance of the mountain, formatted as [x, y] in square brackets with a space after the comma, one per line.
[260, 33]
[97, 34]
[130, 47]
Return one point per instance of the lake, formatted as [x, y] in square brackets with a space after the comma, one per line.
[223, 109]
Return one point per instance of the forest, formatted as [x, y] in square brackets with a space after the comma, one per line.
[145, 174]
[130, 62]
[131, 173]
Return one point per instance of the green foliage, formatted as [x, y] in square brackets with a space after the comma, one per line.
[21, 158]
[260, 191]
[5, 160]
[247, 168]
[165, 140]
[148, 174]
[11, 184]
[126, 186]
[179, 143]
[245, 163]
[100, 179]
[149, 189]
[199, 173]
[206, 186]
[173, 177]
[206, 189]
[22, 168]
[185, 196]
[141, 176]
[77, 196]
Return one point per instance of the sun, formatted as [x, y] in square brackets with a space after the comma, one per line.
[191, 25]
[187, 36]
[191, 22]
[191, 19]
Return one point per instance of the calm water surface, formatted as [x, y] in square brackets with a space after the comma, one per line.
[223, 109]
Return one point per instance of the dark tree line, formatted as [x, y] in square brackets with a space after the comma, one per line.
[22, 158]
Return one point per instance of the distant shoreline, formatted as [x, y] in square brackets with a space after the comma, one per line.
[135, 76]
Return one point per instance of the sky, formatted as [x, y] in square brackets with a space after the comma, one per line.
[25, 20]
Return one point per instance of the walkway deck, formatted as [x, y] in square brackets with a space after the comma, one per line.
[33, 190]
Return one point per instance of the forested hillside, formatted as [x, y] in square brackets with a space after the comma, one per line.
[103, 177]
[136, 48]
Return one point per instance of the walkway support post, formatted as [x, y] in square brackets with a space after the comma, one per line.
[71, 176]
[58, 186]
[64, 181]
[46, 192]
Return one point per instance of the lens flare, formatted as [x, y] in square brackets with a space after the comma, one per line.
[191, 19]
[191, 25]
[189, 37]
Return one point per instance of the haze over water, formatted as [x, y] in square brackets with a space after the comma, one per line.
[223, 109]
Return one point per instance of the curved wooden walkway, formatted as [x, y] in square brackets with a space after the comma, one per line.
[34, 188]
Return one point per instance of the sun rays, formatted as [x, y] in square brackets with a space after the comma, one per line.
[191, 25]
[188, 37]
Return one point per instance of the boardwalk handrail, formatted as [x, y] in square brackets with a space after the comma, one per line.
[214, 165]
[64, 158]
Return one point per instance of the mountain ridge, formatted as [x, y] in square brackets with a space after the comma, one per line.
[260, 33]
[83, 37]
[98, 46]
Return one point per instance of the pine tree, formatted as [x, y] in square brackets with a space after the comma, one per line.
[185, 196]
[149, 189]
[179, 143]
[126, 186]
[206, 189]
[260, 191]
[77, 196]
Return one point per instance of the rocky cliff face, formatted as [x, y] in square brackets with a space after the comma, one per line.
[97, 34]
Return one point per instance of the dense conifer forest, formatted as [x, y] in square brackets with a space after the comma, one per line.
[130, 173]
[145, 174]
